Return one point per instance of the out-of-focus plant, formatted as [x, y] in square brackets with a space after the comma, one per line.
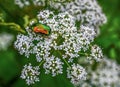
[109, 38]
[5, 40]
[103, 74]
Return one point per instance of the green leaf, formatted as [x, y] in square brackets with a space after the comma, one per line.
[112, 53]
[8, 65]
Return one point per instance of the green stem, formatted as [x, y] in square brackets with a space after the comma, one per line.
[41, 63]
[84, 54]
[1, 19]
[15, 26]
[64, 60]
[26, 20]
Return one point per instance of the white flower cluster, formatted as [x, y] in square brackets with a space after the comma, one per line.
[5, 40]
[106, 74]
[88, 12]
[23, 3]
[87, 36]
[76, 73]
[24, 44]
[30, 74]
[96, 53]
[65, 40]
[53, 65]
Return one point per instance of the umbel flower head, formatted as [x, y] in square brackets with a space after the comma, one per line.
[107, 74]
[76, 73]
[87, 12]
[64, 40]
[55, 40]
[96, 53]
[53, 65]
[30, 74]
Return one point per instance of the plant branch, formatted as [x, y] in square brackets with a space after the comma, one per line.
[13, 25]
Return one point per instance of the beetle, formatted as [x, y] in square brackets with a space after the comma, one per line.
[42, 28]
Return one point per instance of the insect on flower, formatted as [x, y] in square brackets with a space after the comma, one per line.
[42, 28]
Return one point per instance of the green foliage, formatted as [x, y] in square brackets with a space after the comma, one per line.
[109, 38]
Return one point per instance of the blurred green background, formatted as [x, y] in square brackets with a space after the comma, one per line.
[11, 62]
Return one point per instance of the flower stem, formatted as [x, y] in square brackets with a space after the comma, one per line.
[64, 59]
[84, 54]
[1, 19]
[41, 63]
[26, 20]
[66, 62]
[13, 25]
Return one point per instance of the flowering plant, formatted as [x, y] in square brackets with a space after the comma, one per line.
[60, 34]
